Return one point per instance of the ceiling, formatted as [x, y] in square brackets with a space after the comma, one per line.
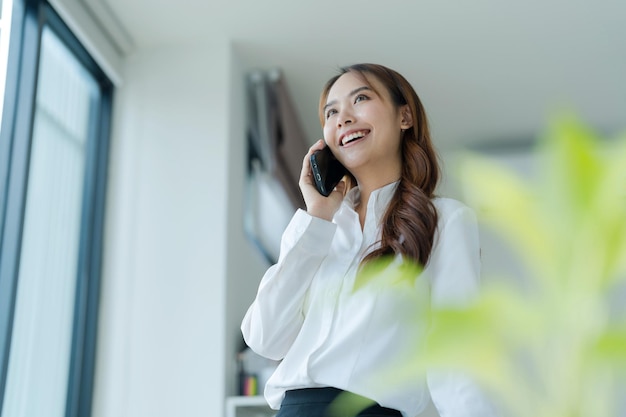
[486, 70]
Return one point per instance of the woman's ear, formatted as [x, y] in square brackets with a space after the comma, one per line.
[407, 118]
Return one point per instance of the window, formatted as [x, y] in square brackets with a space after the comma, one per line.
[5, 30]
[53, 151]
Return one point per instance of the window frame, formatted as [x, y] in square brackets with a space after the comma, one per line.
[29, 17]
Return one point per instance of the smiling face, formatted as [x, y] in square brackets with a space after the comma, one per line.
[362, 126]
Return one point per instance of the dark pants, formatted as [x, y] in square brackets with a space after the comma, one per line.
[327, 402]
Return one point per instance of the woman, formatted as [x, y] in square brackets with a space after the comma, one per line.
[330, 336]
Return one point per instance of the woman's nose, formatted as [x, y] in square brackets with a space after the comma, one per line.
[345, 118]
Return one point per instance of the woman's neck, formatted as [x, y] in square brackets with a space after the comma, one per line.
[366, 188]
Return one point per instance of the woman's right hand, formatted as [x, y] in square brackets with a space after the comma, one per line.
[316, 204]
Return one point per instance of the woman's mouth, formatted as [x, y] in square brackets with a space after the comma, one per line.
[353, 137]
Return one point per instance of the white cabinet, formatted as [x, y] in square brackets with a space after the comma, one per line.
[242, 406]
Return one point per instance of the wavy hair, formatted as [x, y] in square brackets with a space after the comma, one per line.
[410, 221]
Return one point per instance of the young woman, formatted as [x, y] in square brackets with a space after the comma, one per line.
[330, 334]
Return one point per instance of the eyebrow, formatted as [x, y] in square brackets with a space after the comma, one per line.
[350, 94]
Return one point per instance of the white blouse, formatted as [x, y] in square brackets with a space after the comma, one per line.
[308, 314]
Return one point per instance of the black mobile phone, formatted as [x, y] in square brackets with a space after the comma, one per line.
[327, 171]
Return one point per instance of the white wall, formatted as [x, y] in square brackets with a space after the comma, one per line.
[162, 317]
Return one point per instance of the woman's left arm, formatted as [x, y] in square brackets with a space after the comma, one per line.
[455, 260]
[455, 282]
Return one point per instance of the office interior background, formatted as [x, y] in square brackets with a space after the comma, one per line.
[152, 189]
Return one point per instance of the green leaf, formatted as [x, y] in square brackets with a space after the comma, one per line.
[347, 404]
[610, 349]
[509, 206]
[388, 271]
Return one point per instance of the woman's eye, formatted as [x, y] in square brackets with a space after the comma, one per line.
[360, 97]
[330, 113]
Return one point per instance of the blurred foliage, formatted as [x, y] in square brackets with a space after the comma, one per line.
[555, 347]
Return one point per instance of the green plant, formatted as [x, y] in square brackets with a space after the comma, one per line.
[553, 348]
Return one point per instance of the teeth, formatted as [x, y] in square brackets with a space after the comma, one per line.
[352, 136]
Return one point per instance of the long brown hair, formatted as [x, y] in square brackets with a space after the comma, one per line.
[409, 224]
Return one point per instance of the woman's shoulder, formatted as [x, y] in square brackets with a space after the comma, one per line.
[448, 208]
[449, 205]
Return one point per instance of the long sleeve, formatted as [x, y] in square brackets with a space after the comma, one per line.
[273, 321]
[455, 281]
[455, 260]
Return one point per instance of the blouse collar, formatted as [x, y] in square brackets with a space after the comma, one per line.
[378, 202]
